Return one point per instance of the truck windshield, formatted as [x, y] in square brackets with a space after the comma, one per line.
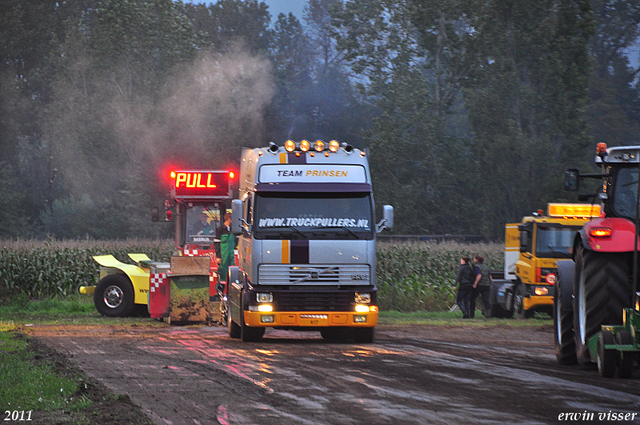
[313, 216]
[625, 192]
[554, 241]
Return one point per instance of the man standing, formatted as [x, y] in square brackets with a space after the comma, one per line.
[481, 286]
[227, 247]
[465, 280]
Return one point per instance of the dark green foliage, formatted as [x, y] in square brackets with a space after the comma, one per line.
[471, 109]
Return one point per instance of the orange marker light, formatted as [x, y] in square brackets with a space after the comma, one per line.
[600, 232]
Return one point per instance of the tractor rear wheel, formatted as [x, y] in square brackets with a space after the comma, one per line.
[602, 291]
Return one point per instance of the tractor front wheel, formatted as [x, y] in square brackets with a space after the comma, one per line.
[563, 317]
[601, 292]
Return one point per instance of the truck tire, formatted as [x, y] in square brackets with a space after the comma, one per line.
[113, 296]
[364, 335]
[232, 327]
[563, 316]
[519, 294]
[247, 333]
[601, 291]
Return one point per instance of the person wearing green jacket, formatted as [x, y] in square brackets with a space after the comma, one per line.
[227, 247]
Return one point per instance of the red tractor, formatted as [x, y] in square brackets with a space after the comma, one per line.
[593, 318]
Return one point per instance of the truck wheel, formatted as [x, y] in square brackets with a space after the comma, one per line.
[602, 290]
[563, 320]
[232, 327]
[606, 357]
[364, 335]
[518, 302]
[247, 333]
[113, 296]
[625, 359]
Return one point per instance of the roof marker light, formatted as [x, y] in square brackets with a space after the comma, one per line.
[334, 146]
[319, 145]
[305, 145]
[289, 145]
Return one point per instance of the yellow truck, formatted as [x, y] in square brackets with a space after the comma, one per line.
[532, 248]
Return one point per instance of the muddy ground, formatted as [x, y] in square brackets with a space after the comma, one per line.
[410, 375]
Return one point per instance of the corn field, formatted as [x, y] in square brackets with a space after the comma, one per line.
[415, 276]
[411, 276]
[47, 269]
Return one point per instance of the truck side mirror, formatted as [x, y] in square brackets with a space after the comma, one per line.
[572, 180]
[236, 217]
[387, 219]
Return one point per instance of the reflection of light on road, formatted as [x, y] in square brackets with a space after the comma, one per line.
[358, 353]
[222, 416]
[225, 360]
[268, 352]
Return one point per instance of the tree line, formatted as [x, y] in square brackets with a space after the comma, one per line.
[471, 109]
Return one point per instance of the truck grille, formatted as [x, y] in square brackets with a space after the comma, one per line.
[314, 301]
[291, 274]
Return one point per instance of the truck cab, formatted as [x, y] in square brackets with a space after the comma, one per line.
[532, 248]
[306, 230]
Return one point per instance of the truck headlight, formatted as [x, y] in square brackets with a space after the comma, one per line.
[362, 309]
[541, 290]
[264, 298]
[363, 298]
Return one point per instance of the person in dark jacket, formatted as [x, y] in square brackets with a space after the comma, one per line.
[481, 286]
[465, 280]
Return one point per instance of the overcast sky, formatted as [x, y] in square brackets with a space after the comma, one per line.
[285, 6]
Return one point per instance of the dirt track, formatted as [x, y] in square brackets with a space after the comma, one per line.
[411, 375]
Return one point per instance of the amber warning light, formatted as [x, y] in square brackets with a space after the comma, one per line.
[201, 184]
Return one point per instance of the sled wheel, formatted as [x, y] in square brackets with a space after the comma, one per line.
[113, 296]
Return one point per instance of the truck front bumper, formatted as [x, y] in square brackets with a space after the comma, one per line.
[536, 301]
[311, 319]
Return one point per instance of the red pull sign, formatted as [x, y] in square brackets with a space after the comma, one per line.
[195, 180]
[200, 184]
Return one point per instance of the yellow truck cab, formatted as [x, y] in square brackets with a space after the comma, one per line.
[532, 248]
